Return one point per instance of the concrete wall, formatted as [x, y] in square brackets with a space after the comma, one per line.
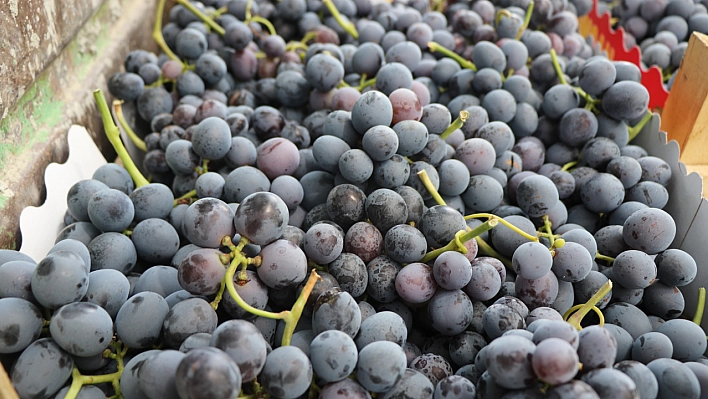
[53, 54]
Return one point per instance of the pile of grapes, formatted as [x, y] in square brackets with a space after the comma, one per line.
[661, 28]
[347, 199]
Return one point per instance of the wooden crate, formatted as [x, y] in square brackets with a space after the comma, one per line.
[685, 115]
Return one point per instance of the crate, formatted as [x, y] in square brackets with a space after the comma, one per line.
[47, 109]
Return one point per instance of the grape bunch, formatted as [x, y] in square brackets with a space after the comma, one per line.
[346, 199]
[660, 28]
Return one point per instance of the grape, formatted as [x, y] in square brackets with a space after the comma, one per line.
[597, 348]
[413, 384]
[609, 240]
[500, 318]
[152, 201]
[439, 224]
[596, 76]
[253, 291]
[620, 215]
[642, 376]
[336, 310]
[21, 324]
[537, 292]
[344, 389]
[477, 154]
[371, 109]
[126, 86]
[141, 329]
[450, 311]
[110, 210]
[207, 372]
[415, 181]
[114, 176]
[180, 157]
[500, 104]
[651, 346]
[625, 100]
[380, 143]
[210, 184]
[283, 264]
[41, 369]
[512, 367]
[207, 221]
[287, 372]
[634, 269]
[674, 267]
[201, 272]
[651, 230]
[452, 270]
[608, 382]
[60, 278]
[381, 326]
[391, 173]
[334, 355]
[415, 283]
[261, 217]
[350, 272]
[382, 272]
[190, 316]
[345, 204]
[555, 361]
[483, 194]
[536, 195]
[156, 375]
[629, 317]
[243, 342]
[573, 389]
[532, 260]
[16, 278]
[558, 100]
[684, 337]
[506, 240]
[82, 329]
[675, 379]
[363, 240]
[577, 126]
[572, 262]
[108, 289]
[155, 240]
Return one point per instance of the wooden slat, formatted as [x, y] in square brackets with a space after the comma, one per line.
[7, 391]
[685, 116]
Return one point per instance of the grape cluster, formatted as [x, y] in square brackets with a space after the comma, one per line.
[346, 198]
[660, 28]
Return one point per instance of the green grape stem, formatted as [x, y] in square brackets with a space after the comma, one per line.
[604, 257]
[423, 176]
[186, 198]
[268, 24]
[504, 222]
[113, 135]
[461, 237]
[205, 18]
[464, 115]
[636, 129]
[157, 32]
[583, 309]
[118, 108]
[527, 19]
[591, 102]
[486, 249]
[79, 380]
[569, 165]
[700, 306]
[347, 25]
[290, 317]
[438, 48]
[547, 226]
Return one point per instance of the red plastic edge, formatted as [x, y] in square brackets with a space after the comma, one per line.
[612, 41]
